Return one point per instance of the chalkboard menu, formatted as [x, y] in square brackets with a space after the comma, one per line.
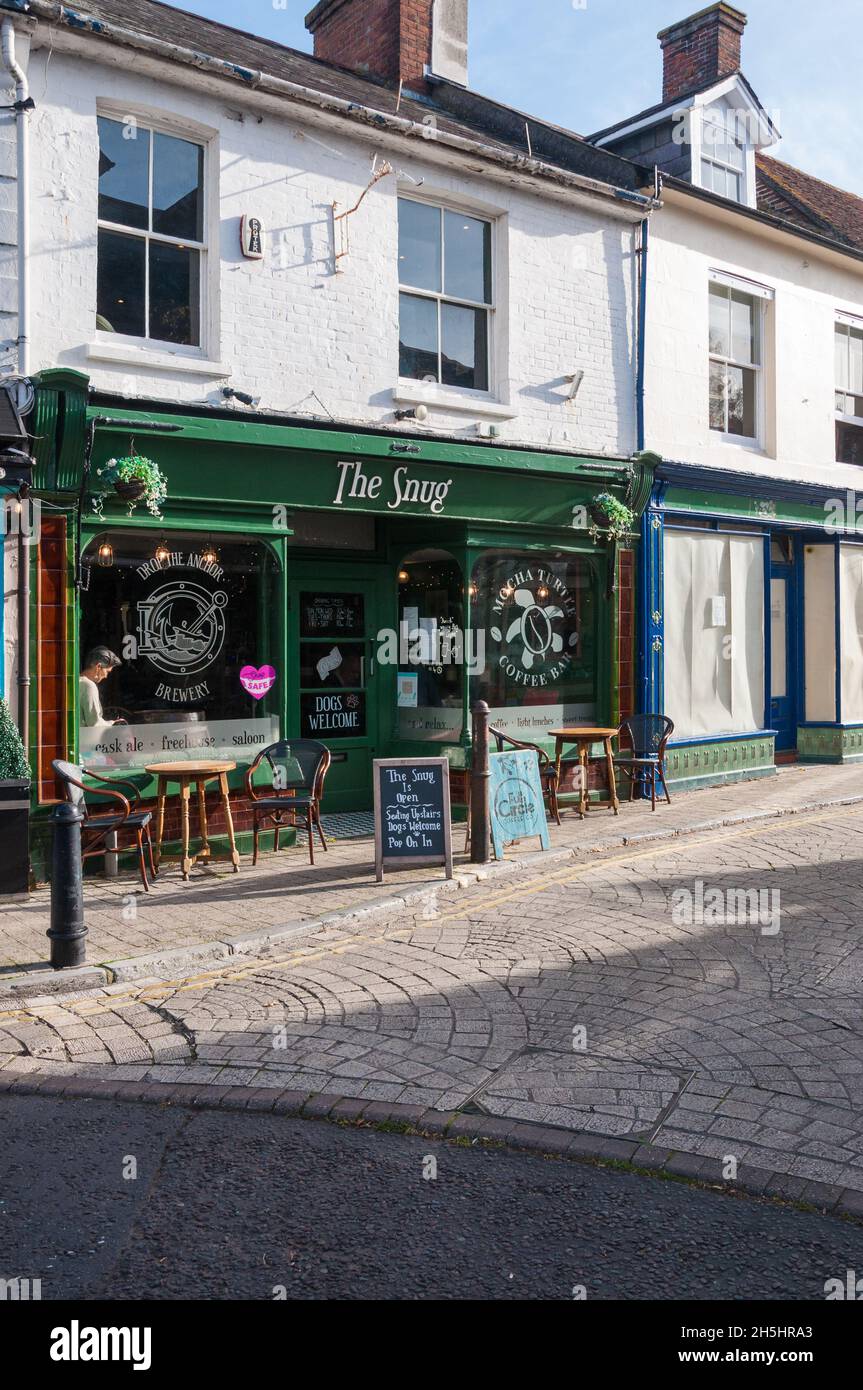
[412, 814]
[332, 615]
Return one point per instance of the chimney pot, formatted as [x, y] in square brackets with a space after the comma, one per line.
[701, 49]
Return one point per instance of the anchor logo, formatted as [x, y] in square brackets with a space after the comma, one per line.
[181, 627]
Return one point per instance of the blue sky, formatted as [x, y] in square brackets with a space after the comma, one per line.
[587, 63]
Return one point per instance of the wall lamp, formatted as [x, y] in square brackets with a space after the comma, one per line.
[419, 412]
[231, 395]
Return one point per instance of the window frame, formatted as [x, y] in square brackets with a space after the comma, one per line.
[444, 205]
[757, 300]
[845, 324]
[703, 152]
[162, 123]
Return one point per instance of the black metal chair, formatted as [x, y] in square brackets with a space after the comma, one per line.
[98, 825]
[289, 795]
[648, 735]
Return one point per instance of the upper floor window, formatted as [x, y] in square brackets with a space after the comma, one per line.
[723, 161]
[445, 300]
[735, 361]
[151, 233]
[849, 392]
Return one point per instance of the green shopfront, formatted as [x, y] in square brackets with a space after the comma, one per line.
[359, 588]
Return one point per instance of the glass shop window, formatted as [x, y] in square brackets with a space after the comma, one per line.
[191, 620]
[433, 648]
[537, 615]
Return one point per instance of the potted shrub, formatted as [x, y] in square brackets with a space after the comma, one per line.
[135, 479]
[14, 808]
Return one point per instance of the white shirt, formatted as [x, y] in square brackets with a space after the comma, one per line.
[91, 705]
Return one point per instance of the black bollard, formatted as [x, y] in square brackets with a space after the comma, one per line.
[67, 931]
[480, 774]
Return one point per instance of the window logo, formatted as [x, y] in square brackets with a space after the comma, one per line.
[537, 614]
[181, 627]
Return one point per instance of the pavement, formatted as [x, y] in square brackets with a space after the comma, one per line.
[687, 1004]
[218, 913]
[112, 1200]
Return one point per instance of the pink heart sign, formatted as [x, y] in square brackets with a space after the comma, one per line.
[257, 682]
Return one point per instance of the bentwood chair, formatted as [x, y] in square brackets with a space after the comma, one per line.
[298, 767]
[122, 817]
[648, 736]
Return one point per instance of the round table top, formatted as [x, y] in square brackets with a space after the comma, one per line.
[189, 768]
[579, 731]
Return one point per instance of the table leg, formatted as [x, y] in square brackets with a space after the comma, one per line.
[612, 781]
[185, 792]
[584, 773]
[160, 818]
[223, 787]
[204, 852]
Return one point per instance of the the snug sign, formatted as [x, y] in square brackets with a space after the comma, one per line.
[355, 485]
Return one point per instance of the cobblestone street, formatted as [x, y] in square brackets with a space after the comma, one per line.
[578, 998]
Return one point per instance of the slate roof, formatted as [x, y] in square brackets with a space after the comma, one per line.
[456, 112]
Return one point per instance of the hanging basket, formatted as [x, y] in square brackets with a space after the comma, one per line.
[130, 489]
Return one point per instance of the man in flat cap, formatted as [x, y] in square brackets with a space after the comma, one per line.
[98, 665]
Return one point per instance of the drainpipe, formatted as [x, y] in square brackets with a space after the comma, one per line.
[22, 107]
[644, 698]
[642, 332]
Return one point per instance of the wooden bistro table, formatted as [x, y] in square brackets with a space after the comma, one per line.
[199, 773]
[583, 736]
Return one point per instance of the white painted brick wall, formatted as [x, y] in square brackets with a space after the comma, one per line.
[288, 327]
[799, 375]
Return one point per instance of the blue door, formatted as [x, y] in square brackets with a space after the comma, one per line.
[783, 643]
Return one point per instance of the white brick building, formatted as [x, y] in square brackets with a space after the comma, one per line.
[752, 568]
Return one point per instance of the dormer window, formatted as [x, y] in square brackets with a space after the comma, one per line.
[723, 159]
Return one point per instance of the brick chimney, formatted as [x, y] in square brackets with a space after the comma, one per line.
[393, 39]
[700, 50]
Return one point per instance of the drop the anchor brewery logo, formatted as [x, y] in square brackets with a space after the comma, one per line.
[181, 624]
[537, 616]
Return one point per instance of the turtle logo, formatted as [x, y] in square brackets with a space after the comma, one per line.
[533, 629]
[181, 627]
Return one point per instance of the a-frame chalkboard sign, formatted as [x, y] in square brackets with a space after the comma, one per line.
[412, 814]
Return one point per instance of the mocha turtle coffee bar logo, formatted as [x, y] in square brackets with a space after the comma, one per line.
[77, 1343]
[537, 616]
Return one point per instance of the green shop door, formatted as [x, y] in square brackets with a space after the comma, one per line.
[332, 627]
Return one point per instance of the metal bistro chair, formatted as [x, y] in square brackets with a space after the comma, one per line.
[98, 826]
[648, 734]
[289, 795]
